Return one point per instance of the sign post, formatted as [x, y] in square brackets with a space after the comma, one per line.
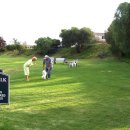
[4, 88]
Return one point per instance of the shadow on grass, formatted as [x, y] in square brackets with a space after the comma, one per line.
[77, 117]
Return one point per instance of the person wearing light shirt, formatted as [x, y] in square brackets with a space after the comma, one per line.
[26, 66]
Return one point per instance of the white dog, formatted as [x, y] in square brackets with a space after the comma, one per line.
[73, 63]
[44, 74]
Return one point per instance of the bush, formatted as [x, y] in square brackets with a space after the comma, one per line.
[102, 54]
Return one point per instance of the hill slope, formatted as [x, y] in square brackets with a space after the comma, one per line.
[91, 51]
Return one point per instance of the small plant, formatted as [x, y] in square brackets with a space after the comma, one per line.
[102, 54]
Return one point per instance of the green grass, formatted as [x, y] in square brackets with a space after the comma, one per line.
[92, 51]
[93, 96]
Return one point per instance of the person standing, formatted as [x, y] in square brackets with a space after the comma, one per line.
[47, 65]
[27, 65]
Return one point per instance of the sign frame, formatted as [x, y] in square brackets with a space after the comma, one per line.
[8, 89]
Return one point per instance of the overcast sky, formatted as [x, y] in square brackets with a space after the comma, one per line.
[28, 20]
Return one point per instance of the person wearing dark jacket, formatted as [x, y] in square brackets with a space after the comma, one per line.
[47, 65]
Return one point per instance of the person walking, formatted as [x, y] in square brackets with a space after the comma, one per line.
[27, 65]
[47, 65]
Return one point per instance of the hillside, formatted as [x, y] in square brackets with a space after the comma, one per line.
[92, 51]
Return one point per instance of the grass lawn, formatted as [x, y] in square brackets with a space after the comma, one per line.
[93, 96]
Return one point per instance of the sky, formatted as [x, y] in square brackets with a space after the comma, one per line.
[28, 20]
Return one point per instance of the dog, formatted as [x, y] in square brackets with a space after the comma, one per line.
[44, 74]
[73, 63]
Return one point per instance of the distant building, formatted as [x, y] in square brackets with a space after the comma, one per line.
[100, 37]
[25, 45]
[29, 46]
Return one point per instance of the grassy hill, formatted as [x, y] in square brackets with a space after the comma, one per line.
[92, 51]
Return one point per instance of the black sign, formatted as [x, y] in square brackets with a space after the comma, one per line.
[4, 88]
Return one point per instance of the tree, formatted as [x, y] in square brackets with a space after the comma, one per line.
[15, 46]
[118, 34]
[110, 38]
[84, 38]
[43, 45]
[79, 37]
[2, 44]
[15, 41]
[65, 35]
[55, 43]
